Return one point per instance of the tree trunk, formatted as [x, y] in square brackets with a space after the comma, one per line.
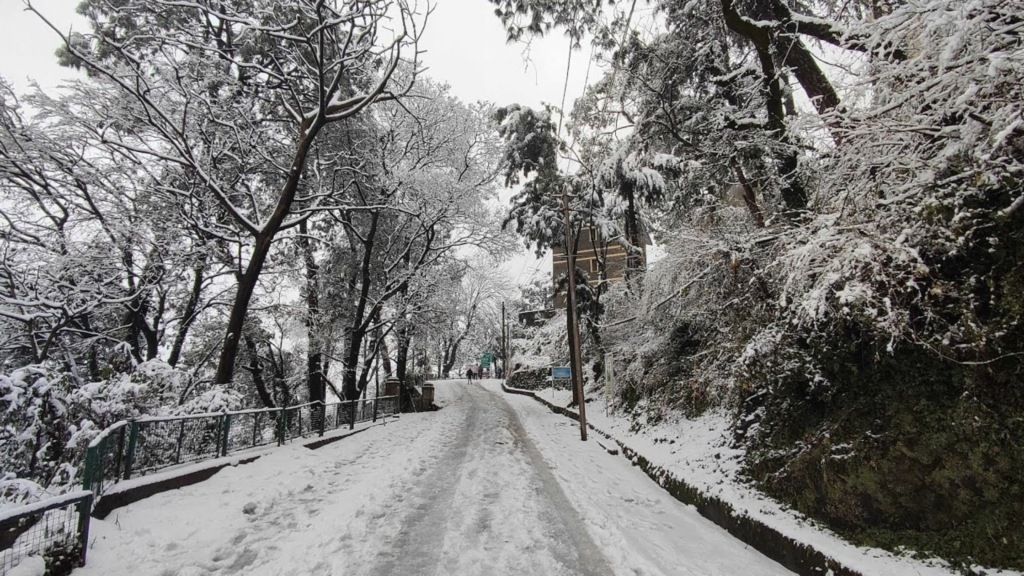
[349, 383]
[316, 387]
[385, 356]
[402, 359]
[256, 371]
[762, 36]
[240, 308]
[403, 329]
[441, 373]
[364, 374]
[450, 354]
[94, 365]
[152, 334]
[264, 240]
[635, 260]
[189, 314]
[749, 198]
[451, 350]
[132, 322]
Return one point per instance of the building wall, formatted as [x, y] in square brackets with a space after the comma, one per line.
[587, 260]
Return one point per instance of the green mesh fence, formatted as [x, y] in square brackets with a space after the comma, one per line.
[149, 444]
[54, 533]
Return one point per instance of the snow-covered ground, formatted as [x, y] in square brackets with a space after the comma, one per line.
[698, 451]
[491, 484]
[641, 528]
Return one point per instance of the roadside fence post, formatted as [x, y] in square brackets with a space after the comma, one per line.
[133, 440]
[120, 455]
[181, 440]
[224, 435]
[90, 468]
[280, 427]
[323, 417]
[84, 511]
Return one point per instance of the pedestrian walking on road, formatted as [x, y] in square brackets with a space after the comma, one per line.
[469, 375]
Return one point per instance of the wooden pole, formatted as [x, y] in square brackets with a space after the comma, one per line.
[504, 347]
[576, 361]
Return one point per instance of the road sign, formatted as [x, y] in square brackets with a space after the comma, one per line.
[485, 360]
[561, 372]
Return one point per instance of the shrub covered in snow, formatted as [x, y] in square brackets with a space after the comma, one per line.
[46, 422]
[35, 430]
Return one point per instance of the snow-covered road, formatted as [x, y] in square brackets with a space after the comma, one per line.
[491, 484]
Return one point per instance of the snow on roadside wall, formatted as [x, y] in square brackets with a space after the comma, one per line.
[692, 459]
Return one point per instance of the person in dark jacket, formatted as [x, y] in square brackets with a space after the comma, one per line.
[469, 375]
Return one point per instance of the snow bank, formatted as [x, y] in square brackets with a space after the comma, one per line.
[696, 453]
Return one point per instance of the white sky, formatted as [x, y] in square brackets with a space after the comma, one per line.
[464, 42]
[466, 47]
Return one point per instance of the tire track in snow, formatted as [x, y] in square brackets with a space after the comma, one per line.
[461, 491]
[489, 505]
[640, 528]
[590, 559]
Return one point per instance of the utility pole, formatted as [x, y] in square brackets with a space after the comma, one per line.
[504, 346]
[576, 361]
[509, 350]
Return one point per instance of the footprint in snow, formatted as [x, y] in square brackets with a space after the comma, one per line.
[186, 571]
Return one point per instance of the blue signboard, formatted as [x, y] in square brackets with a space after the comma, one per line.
[561, 373]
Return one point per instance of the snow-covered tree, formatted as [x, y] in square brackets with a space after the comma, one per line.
[840, 215]
[418, 196]
[233, 97]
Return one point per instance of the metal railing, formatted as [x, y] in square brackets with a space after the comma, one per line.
[149, 444]
[54, 533]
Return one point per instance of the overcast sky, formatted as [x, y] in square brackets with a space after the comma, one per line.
[464, 42]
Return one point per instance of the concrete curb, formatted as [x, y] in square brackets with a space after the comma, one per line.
[321, 442]
[110, 502]
[796, 556]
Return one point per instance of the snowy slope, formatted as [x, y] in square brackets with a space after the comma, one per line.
[698, 451]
